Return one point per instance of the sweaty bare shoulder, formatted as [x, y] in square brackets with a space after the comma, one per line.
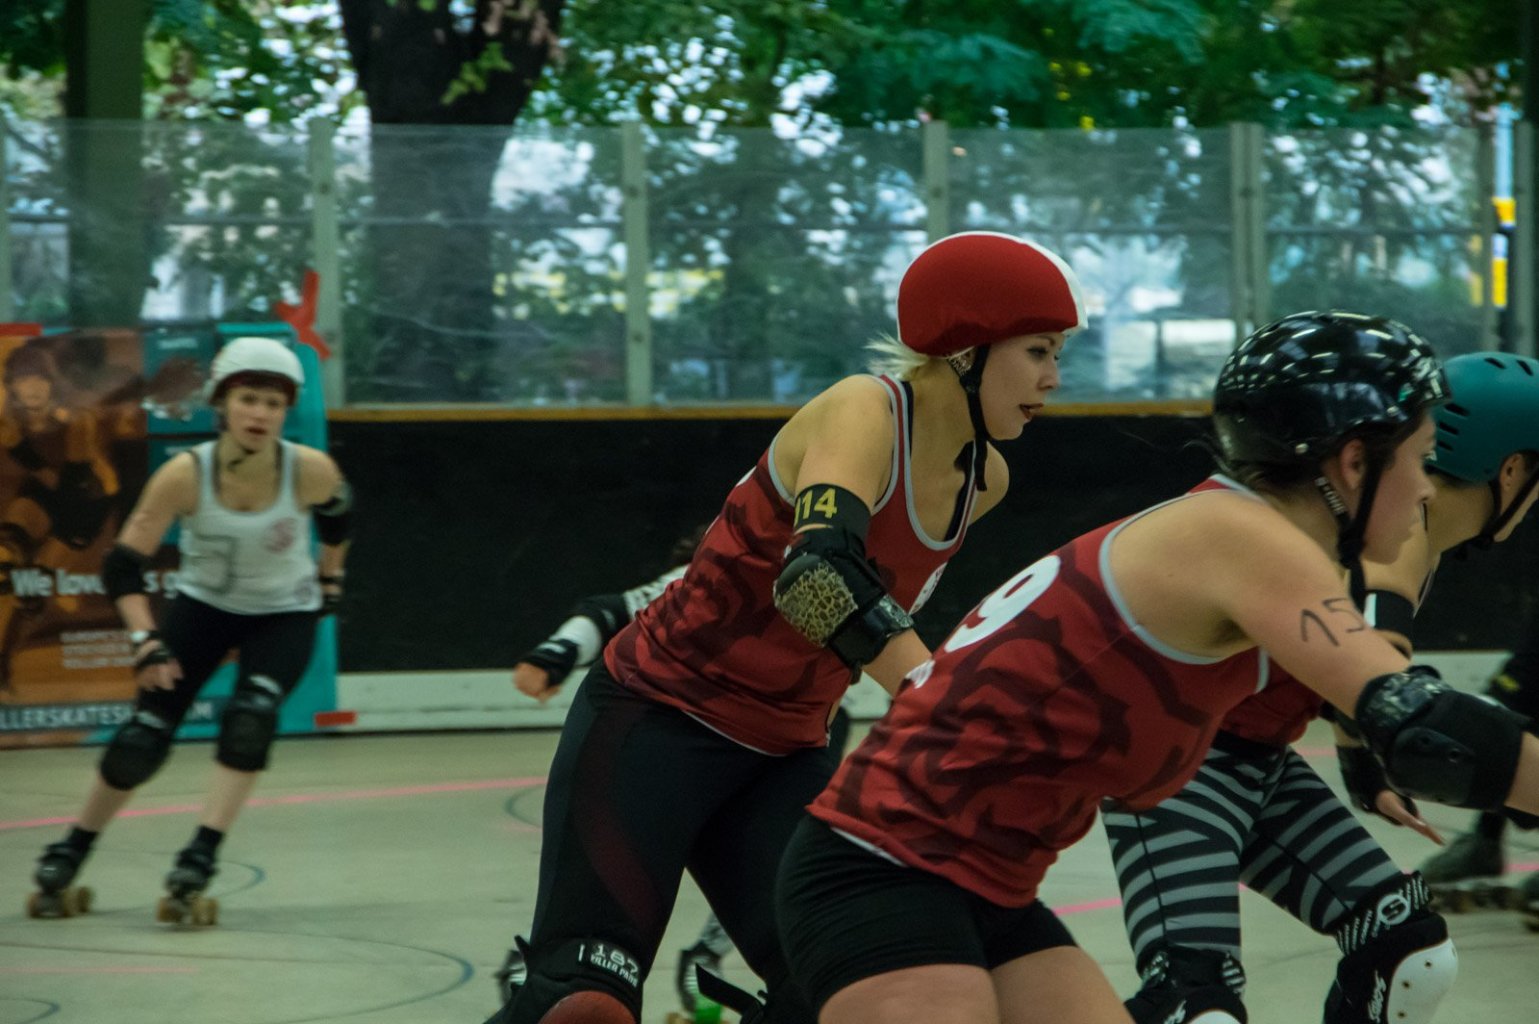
[174, 486]
[318, 475]
[1285, 593]
[171, 492]
[1181, 567]
[843, 436]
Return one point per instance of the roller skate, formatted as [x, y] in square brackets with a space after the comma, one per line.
[56, 869]
[1182, 984]
[1528, 892]
[184, 900]
[513, 973]
[1468, 876]
[698, 1009]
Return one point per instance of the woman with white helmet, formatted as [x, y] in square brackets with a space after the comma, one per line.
[249, 580]
[696, 740]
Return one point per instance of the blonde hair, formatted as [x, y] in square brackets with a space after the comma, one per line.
[892, 358]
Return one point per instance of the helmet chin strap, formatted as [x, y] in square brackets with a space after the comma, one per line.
[969, 370]
[1499, 517]
[245, 453]
[1350, 529]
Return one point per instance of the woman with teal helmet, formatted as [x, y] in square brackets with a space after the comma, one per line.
[1490, 435]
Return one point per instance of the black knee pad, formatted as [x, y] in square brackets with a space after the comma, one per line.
[1182, 983]
[136, 752]
[587, 976]
[248, 725]
[1399, 962]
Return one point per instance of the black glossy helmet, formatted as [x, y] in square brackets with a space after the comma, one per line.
[1298, 389]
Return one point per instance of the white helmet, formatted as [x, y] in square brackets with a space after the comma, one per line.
[264, 362]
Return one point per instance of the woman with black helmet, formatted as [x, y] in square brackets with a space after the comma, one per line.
[248, 580]
[1257, 813]
[698, 738]
[1104, 670]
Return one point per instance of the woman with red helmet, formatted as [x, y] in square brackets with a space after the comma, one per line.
[248, 580]
[696, 740]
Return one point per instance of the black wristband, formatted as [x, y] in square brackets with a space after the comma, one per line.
[157, 655]
[557, 656]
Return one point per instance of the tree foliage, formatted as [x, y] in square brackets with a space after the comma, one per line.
[1030, 63]
[273, 60]
[784, 175]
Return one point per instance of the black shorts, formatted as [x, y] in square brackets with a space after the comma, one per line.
[846, 913]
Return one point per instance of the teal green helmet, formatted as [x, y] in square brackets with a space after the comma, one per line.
[1493, 413]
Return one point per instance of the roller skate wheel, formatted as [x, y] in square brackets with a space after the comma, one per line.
[78, 900]
[205, 912]
[1452, 901]
[41, 904]
[169, 911]
[707, 1011]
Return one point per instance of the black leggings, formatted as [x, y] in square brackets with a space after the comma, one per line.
[638, 793]
[201, 636]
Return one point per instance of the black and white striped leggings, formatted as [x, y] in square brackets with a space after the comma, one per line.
[1265, 819]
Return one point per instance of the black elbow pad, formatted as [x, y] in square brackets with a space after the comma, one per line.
[123, 572]
[833, 596]
[334, 519]
[1438, 744]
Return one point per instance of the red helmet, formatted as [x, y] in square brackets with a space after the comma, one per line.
[979, 287]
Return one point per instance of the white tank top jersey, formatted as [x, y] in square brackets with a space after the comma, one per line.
[249, 563]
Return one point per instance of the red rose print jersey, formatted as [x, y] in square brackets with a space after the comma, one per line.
[714, 645]
[1045, 700]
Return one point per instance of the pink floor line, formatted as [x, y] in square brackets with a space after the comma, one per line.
[98, 970]
[303, 798]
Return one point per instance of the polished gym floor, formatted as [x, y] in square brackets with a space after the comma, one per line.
[381, 878]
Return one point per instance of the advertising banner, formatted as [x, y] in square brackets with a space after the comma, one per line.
[85, 418]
